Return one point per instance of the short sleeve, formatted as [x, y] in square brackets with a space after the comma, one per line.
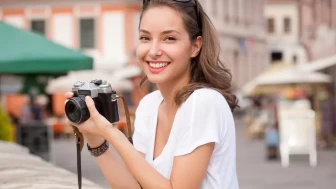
[205, 123]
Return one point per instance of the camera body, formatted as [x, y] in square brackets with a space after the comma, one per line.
[103, 96]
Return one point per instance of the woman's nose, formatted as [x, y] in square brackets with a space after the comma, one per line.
[155, 49]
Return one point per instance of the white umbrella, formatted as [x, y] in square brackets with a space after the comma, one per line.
[286, 76]
[319, 64]
[249, 87]
[294, 76]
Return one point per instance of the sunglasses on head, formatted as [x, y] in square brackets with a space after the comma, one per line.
[184, 1]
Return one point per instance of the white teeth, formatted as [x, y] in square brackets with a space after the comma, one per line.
[157, 65]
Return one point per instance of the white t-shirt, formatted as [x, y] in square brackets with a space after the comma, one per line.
[203, 118]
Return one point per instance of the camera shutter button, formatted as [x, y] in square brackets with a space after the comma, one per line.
[78, 84]
[98, 82]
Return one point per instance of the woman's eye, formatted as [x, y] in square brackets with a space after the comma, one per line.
[170, 39]
[143, 38]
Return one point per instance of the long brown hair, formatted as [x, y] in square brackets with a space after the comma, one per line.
[207, 70]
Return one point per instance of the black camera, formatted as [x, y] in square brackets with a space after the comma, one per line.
[104, 97]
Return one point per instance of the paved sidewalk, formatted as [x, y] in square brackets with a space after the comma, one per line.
[19, 169]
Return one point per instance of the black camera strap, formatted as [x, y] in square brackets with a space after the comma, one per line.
[79, 147]
[80, 140]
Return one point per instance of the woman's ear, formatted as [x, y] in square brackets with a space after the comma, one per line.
[196, 46]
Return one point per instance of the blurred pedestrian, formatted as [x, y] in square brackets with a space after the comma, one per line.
[271, 129]
[36, 111]
[26, 112]
[327, 118]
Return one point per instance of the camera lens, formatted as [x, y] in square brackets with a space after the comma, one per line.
[76, 110]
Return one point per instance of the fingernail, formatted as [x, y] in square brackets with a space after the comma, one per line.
[88, 100]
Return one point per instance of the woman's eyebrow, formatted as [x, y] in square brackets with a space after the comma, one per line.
[170, 31]
[164, 32]
[144, 31]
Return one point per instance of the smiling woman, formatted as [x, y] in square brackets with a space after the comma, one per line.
[187, 125]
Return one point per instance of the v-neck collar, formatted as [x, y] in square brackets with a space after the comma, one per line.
[154, 128]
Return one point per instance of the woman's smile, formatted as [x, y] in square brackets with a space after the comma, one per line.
[157, 67]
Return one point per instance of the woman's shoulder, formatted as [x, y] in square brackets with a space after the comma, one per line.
[208, 93]
[207, 97]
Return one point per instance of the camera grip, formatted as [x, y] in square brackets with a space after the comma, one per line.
[109, 107]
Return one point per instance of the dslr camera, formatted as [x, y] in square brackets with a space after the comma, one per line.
[105, 100]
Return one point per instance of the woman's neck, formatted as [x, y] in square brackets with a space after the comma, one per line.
[168, 92]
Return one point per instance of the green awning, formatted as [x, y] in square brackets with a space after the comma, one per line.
[24, 52]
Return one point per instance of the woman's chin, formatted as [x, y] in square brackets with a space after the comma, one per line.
[156, 79]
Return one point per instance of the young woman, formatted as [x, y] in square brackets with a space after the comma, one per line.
[184, 134]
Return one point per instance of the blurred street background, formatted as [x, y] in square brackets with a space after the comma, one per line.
[281, 53]
[254, 171]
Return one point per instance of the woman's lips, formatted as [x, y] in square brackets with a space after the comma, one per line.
[157, 67]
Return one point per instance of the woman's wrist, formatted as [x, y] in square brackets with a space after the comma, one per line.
[94, 140]
[99, 150]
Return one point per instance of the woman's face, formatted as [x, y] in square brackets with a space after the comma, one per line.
[164, 49]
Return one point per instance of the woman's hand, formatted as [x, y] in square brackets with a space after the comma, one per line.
[95, 128]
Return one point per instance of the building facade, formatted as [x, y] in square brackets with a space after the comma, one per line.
[241, 28]
[282, 19]
[318, 27]
[300, 31]
[103, 29]
[107, 31]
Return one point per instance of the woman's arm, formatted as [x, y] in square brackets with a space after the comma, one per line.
[115, 171]
[195, 163]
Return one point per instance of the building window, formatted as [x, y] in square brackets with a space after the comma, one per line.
[247, 12]
[270, 25]
[226, 9]
[276, 56]
[38, 26]
[236, 11]
[287, 25]
[214, 7]
[256, 12]
[87, 33]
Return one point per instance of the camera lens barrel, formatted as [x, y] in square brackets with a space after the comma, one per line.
[76, 110]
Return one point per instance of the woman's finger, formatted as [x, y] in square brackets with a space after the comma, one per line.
[69, 123]
[94, 114]
[69, 95]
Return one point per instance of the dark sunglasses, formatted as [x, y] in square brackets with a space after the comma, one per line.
[184, 1]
